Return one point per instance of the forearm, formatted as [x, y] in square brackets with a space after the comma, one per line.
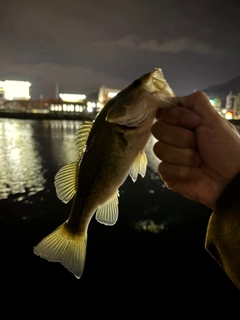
[223, 232]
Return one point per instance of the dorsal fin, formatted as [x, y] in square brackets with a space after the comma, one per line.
[139, 166]
[82, 136]
[108, 212]
[66, 181]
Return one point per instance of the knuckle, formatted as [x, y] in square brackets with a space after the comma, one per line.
[192, 158]
[162, 170]
[187, 137]
[183, 173]
[157, 149]
[200, 95]
[156, 129]
[161, 149]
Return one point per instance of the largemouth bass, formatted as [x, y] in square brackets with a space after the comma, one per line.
[108, 150]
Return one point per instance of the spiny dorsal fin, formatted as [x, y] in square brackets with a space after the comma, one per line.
[81, 137]
[66, 181]
[139, 166]
[108, 213]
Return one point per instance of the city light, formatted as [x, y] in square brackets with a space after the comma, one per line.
[72, 97]
[18, 90]
[68, 107]
[112, 94]
[212, 101]
[90, 106]
[229, 115]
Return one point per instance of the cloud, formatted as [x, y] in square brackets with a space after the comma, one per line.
[76, 79]
[175, 45]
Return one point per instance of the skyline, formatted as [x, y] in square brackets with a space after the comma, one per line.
[82, 45]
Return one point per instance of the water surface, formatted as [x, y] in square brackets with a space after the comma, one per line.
[158, 240]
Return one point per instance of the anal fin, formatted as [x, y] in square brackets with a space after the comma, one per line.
[108, 212]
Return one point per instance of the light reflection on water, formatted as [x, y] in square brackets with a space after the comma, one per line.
[62, 134]
[33, 151]
[21, 169]
[23, 145]
[29, 149]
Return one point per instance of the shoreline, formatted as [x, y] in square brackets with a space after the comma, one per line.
[48, 116]
[65, 116]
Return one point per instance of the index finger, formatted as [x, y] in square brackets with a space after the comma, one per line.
[199, 103]
[179, 116]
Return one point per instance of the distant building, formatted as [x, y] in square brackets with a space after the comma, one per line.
[105, 94]
[70, 103]
[229, 101]
[15, 90]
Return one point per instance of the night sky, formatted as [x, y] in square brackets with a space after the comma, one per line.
[84, 44]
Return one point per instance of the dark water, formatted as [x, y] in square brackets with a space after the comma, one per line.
[153, 255]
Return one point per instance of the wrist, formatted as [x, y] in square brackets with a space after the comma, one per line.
[229, 198]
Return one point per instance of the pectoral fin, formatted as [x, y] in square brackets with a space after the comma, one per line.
[66, 181]
[66, 178]
[139, 166]
[108, 213]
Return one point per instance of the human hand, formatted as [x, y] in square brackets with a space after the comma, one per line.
[200, 150]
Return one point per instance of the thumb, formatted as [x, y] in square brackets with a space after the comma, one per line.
[199, 103]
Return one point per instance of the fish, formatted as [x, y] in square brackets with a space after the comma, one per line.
[109, 149]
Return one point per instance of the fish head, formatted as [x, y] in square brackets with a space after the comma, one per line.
[137, 105]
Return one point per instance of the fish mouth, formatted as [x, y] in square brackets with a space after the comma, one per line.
[158, 85]
[158, 80]
[141, 100]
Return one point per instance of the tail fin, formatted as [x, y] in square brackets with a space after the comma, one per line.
[66, 248]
